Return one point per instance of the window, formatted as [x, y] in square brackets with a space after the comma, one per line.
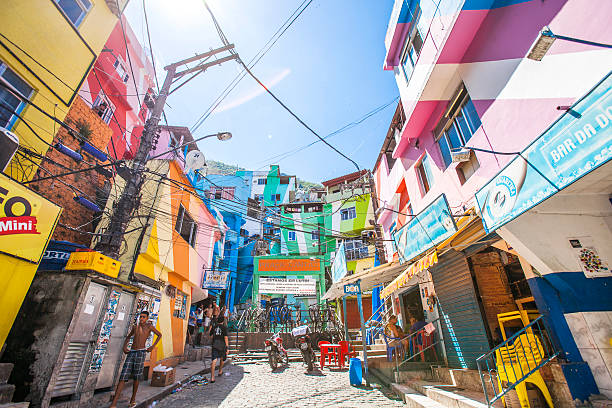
[466, 169]
[186, 226]
[355, 249]
[348, 214]
[75, 10]
[291, 236]
[413, 48]
[262, 181]
[221, 193]
[12, 103]
[275, 198]
[285, 180]
[174, 140]
[103, 107]
[457, 125]
[120, 68]
[314, 235]
[424, 173]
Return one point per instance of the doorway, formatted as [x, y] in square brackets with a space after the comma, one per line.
[411, 307]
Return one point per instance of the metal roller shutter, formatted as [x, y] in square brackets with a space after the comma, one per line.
[465, 338]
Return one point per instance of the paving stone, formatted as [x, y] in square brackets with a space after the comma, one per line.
[255, 385]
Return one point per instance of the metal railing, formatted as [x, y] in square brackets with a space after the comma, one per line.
[374, 327]
[514, 360]
[432, 339]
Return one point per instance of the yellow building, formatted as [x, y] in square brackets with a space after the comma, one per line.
[47, 48]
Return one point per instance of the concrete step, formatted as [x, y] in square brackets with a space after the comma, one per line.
[414, 399]
[5, 372]
[6, 393]
[15, 405]
[450, 396]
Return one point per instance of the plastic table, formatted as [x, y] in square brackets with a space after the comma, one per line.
[330, 349]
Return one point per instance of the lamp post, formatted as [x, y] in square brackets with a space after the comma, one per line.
[546, 38]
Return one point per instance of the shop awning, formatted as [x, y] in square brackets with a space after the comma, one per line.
[405, 278]
[369, 279]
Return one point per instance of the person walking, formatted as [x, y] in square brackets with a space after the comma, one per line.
[134, 362]
[220, 344]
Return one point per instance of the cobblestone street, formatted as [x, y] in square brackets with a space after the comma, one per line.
[254, 385]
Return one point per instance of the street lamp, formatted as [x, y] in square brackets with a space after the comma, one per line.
[545, 40]
[223, 136]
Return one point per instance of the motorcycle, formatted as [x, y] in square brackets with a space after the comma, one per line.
[302, 341]
[276, 351]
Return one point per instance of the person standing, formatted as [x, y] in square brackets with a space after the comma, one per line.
[133, 367]
[191, 330]
[220, 344]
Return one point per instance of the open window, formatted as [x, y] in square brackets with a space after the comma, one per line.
[425, 174]
[103, 107]
[186, 226]
[457, 125]
[413, 47]
[12, 100]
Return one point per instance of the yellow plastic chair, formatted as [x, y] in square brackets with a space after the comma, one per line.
[515, 360]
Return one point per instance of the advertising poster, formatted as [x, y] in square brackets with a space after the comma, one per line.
[105, 332]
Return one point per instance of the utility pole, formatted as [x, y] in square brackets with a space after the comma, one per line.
[379, 238]
[110, 243]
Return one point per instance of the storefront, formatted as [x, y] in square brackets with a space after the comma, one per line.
[27, 221]
[551, 205]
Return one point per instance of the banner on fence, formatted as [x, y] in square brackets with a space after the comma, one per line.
[288, 286]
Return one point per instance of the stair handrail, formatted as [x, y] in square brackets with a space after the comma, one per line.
[546, 354]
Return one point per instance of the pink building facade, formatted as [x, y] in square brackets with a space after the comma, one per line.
[121, 94]
[465, 80]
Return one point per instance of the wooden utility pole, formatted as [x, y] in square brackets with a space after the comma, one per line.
[122, 210]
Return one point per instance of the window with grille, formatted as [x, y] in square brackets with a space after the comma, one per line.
[186, 226]
[291, 236]
[262, 181]
[12, 100]
[103, 107]
[75, 10]
[355, 249]
[457, 126]
[348, 214]
[314, 235]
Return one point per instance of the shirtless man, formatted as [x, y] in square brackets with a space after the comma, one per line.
[134, 362]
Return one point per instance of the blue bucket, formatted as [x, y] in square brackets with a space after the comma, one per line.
[355, 372]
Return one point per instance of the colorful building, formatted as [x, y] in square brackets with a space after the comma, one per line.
[121, 101]
[37, 86]
[465, 79]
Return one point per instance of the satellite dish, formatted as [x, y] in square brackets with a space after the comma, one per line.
[195, 160]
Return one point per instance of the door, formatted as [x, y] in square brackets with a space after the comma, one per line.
[114, 350]
[465, 337]
[81, 340]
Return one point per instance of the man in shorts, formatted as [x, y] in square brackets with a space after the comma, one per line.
[134, 362]
[220, 344]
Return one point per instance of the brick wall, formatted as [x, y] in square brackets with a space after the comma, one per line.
[493, 287]
[90, 183]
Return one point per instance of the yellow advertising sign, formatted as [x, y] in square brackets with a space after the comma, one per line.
[27, 221]
[422, 264]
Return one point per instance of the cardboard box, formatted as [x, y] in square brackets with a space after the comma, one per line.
[163, 378]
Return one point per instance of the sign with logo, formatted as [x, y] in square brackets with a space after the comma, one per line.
[352, 288]
[427, 229]
[288, 286]
[339, 270]
[215, 280]
[577, 143]
[416, 267]
[27, 220]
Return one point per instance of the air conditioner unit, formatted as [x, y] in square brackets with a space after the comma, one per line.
[460, 156]
[9, 142]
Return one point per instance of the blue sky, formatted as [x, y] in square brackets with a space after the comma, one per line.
[327, 68]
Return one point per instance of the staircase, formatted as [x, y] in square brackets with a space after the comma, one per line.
[236, 343]
[7, 390]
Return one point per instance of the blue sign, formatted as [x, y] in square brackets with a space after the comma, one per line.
[215, 280]
[427, 229]
[339, 270]
[576, 144]
[352, 288]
